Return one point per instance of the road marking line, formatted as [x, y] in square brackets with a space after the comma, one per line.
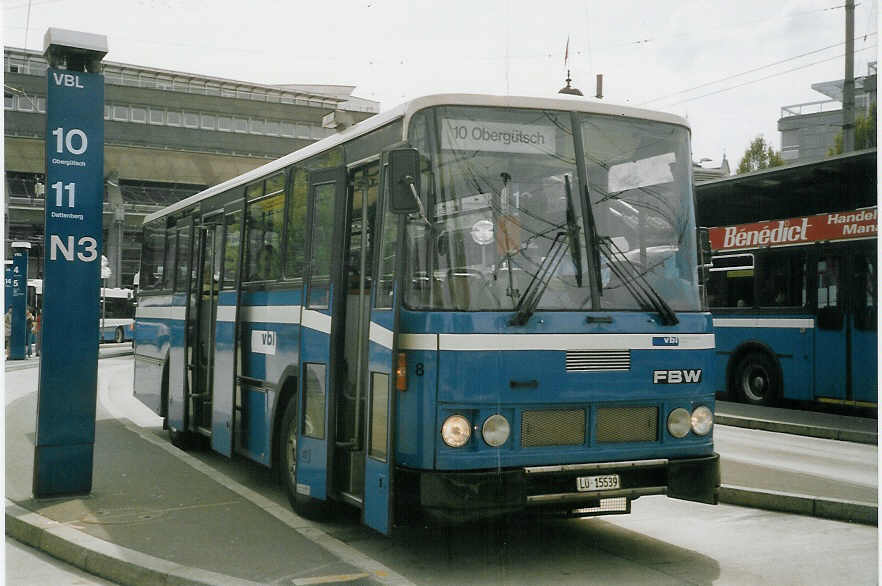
[329, 579]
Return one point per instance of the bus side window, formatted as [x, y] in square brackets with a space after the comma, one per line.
[296, 235]
[731, 282]
[321, 245]
[231, 249]
[829, 314]
[264, 229]
[182, 281]
[153, 255]
[828, 282]
[388, 250]
[866, 293]
[168, 281]
[783, 279]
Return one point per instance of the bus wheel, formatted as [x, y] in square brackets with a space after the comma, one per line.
[303, 505]
[756, 379]
[183, 440]
[120, 336]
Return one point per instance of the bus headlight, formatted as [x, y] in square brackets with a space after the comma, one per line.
[679, 422]
[496, 430]
[456, 431]
[702, 420]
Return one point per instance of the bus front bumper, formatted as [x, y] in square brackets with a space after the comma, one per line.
[466, 495]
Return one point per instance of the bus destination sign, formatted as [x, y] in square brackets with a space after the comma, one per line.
[473, 135]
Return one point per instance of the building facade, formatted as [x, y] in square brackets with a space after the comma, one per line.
[808, 130]
[167, 135]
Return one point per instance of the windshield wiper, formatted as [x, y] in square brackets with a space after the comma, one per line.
[529, 301]
[573, 233]
[636, 283]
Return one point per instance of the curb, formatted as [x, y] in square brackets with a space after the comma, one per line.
[102, 558]
[845, 435]
[800, 504]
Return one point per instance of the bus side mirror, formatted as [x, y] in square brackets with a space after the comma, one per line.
[404, 181]
[705, 255]
[704, 246]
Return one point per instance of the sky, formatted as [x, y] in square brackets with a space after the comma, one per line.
[728, 67]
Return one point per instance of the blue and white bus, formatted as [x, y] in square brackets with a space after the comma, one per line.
[467, 305]
[793, 286]
[117, 310]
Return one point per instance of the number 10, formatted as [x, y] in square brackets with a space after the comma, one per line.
[71, 189]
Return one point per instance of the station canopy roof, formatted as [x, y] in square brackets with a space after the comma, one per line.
[838, 183]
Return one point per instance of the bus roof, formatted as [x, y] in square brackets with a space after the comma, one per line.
[406, 111]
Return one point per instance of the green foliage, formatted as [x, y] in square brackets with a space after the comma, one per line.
[864, 133]
[759, 155]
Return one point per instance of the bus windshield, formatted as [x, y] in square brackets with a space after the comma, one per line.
[504, 207]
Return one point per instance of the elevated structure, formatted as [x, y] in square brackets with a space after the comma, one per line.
[809, 129]
[168, 134]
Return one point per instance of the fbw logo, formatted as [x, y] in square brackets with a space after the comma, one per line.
[676, 377]
[665, 341]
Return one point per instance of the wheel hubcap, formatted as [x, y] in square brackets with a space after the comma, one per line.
[756, 383]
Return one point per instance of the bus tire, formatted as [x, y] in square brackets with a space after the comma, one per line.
[182, 440]
[119, 336]
[756, 379]
[303, 505]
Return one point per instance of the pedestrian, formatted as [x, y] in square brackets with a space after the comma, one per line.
[38, 330]
[29, 331]
[8, 319]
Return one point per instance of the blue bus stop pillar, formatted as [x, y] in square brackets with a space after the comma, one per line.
[19, 336]
[65, 437]
[7, 292]
[7, 302]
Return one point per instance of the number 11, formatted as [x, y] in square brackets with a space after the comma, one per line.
[71, 189]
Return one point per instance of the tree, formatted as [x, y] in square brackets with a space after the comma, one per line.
[864, 133]
[759, 155]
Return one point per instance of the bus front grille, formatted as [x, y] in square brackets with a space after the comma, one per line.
[598, 360]
[554, 427]
[626, 424]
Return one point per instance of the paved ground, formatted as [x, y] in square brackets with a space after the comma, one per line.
[157, 514]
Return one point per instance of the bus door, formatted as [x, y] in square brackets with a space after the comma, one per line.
[319, 334]
[350, 388]
[846, 362]
[831, 351]
[201, 319]
[179, 383]
[864, 299]
[224, 360]
[380, 379]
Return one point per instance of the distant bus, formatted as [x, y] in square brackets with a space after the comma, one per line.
[466, 306]
[117, 310]
[793, 284]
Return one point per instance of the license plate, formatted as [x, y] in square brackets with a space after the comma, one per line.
[607, 482]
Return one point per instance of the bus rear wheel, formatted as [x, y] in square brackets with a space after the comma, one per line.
[303, 505]
[756, 379]
[119, 336]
